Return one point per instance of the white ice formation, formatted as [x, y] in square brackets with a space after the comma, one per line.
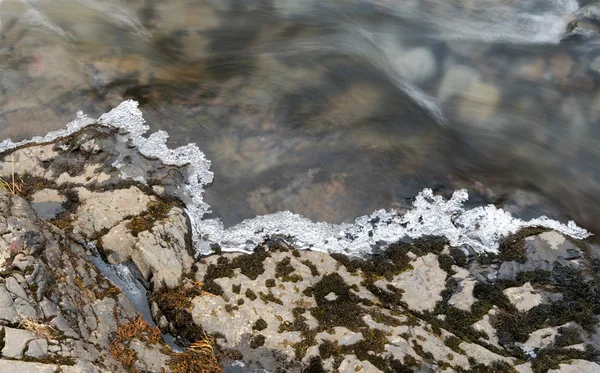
[480, 228]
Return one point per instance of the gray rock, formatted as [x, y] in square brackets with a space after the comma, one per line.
[423, 285]
[102, 210]
[543, 251]
[37, 348]
[24, 367]
[590, 13]
[162, 251]
[14, 287]
[577, 366]
[7, 309]
[15, 342]
[149, 358]
[523, 297]
[417, 64]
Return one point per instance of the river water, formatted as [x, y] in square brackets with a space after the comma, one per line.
[331, 109]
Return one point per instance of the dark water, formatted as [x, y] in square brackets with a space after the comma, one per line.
[330, 109]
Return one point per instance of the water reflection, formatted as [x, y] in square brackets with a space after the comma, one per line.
[330, 109]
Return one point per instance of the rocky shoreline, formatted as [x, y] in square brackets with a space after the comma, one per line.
[419, 305]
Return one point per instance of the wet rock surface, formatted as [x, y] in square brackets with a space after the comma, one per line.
[418, 305]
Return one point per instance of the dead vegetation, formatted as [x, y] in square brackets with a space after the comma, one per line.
[133, 329]
[15, 184]
[39, 329]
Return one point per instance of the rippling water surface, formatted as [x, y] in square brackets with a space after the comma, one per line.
[331, 109]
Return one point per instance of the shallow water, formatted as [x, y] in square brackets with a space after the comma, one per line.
[333, 109]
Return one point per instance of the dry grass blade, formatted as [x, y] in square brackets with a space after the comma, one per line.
[14, 186]
[40, 330]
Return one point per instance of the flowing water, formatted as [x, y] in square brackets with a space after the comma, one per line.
[330, 109]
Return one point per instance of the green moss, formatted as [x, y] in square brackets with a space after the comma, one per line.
[313, 268]
[270, 283]
[513, 247]
[155, 211]
[241, 301]
[257, 341]
[493, 294]
[410, 361]
[31, 184]
[250, 294]
[581, 299]
[446, 261]
[567, 337]
[176, 304]
[551, 358]
[453, 342]
[343, 311]
[236, 288]
[428, 356]
[51, 359]
[494, 367]
[459, 256]
[315, 366]
[284, 270]
[269, 298]
[251, 265]
[260, 325]
[230, 308]
[384, 319]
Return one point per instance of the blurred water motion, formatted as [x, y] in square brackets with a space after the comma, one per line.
[331, 109]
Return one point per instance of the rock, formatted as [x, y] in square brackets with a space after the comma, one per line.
[577, 366]
[15, 341]
[352, 364]
[524, 368]
[486, 326]
[341, 336]
[590, 13]
[277, 308]
[482, 355]
[423, 285]
[544, 251]
[27, 160]
[118, 243]
[478, 103]
[417, 64]
[541, 338]
[13, 286]
[103, 210]
[464, 298]
[149, 358]
[456, 80]
[523, 297]
[37, 348]
[581, 29]
[162, 251]
[23, 367]
[532, 70]
[7, 309]
[89, 176]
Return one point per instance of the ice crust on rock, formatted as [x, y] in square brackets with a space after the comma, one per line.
[480, 228]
